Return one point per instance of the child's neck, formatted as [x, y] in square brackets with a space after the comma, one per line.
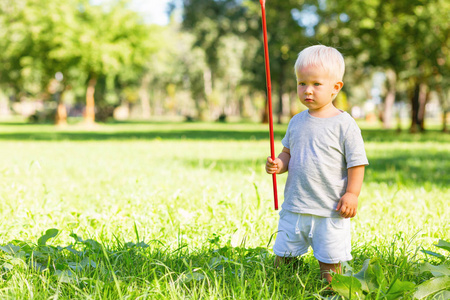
[326, 113]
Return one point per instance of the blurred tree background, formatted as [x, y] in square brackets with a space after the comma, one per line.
[73, 58]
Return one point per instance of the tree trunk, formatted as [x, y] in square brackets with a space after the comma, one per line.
[265, 114]
[418, 102]
[241, 106]
[145, 97]
[208, 90]
[399, 122]
[61, 111]
[444, 121]
[445, 105]
[293, 104]
[207, 78]
[414, 109]
[89, 114]
[423, 99]
[200, 107]
[390, 99]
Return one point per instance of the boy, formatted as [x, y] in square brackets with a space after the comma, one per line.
[324, 153]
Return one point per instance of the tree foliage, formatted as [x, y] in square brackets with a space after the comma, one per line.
[411, 38]
[212, 64]
[82, 41]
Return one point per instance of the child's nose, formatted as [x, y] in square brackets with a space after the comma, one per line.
[308, 91]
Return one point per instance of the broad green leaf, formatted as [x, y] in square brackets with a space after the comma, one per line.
[130, 245]
[399, 288]
[334, 297]
[438, 255]
[37, 266]
[50, 233]
[377, 271]
[39, 255]
[86, 262]
[347, 286]
[46, 249]
[7, 266]
[76, 237]
[75, 266]
[142, 245]
[432, 286]
[214, 262]
[361, 275]
[194, 276]
[443, 245]
[443, 295]
[18, 262]
[76, 252]
[437, 271]
[23, 246]
[138, 245]
[370, 275]
[93, 244]
[346, 269]
[10, 249]
[64, 276]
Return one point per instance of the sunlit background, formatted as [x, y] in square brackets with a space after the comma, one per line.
[103, 60]
[153, 11]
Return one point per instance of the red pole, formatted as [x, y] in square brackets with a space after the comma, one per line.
[269, 95]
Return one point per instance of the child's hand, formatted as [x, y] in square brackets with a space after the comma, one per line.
[273, 166]
[348, 205]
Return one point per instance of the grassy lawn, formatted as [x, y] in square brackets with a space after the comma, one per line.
[184, 210]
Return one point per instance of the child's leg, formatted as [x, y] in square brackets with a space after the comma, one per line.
[280, 260]
[326, 268]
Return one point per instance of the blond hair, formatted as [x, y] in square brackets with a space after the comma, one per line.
[328, 58]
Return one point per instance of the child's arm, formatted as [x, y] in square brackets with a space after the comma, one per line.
[348, 204]
[280, 164]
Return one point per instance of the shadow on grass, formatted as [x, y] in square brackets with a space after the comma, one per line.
[387, 136]
[410, 169]
[186, 131]
[396, 167]
[407, 167]
[139, 135]
[14, 124]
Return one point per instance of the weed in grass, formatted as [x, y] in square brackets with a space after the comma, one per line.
[90, 267]
[379, 278]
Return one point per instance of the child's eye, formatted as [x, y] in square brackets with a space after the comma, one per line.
[317, 84]
[302, 84]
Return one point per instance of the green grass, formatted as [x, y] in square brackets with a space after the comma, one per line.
[184, 210]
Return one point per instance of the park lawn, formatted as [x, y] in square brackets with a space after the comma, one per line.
[184, 210]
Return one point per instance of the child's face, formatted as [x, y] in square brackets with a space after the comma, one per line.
[316, 89]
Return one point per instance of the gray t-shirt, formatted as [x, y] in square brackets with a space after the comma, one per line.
[322, 149]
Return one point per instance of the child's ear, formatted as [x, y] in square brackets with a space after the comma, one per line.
[337, 87]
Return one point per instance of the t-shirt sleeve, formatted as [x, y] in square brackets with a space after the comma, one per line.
[355, 153]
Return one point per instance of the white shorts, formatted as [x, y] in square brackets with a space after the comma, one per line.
[329, 237]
